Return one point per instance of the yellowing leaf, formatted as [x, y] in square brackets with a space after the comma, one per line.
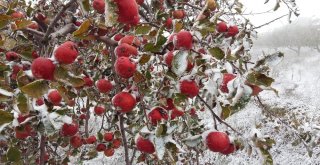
[5, 117]
[21, 24]
[35, 89]
[84, 27]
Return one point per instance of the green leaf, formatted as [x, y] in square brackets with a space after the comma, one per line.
[267, 156]
[259, 79]
[178, 26]
[150, 47]
[25, 51]
[161, 130]
[62, 75]
[22, 103]
[84, 27]
[142, 29]
[13, 154]
[5, 117]
[226, 112]
[35, 89]
[144, 59]
[85, 5]
[62, 111]
[4, 20]
[217, 53]
[100, 136]
[21, 24]
[179, 98]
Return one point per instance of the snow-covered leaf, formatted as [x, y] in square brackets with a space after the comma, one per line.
[36, 88]
[5, 117]
[160, 147]
[193, 141]
[180, 62]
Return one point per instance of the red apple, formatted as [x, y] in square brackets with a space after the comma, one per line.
[54, 97]
[104, 86]
[98, 110]
[224, 85]
[108, 136]
[189, 88]
[124, 101]
[66, 53]
[43, 68]
[217, 141]
[145, 145]
[69, 129]
[109, 152]
[183, 40]
[76, 141]
[124, 67]
[99, 6]
[222, 27]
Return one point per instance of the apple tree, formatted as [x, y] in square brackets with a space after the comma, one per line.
[81, 78]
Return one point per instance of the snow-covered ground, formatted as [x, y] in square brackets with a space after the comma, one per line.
[297, 80]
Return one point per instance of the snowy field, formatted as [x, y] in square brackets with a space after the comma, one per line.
[297, 80]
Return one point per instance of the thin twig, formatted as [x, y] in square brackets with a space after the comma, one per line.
[216, 116]
[257, 27]
[56, 19]
[188, 4]
[124, 139]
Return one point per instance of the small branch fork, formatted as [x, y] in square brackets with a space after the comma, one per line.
[215, 116]
[55, 20]
[257, 27]
[263, 107]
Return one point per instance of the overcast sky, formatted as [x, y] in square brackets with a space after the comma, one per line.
[308, 8]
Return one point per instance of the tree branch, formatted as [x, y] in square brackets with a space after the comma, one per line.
[69, 28]
[257, 27]
[216, 116]
[56, 19]
[107, 41]
[42, 149]
[33, 32]
[124, 140]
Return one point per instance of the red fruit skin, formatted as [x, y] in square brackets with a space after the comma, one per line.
[116, 143]
[11, 56]
[128, 12]
[131, 40]
[82, 117]
[43, 68]
[170, 42]
[23, 131]
[118, 37]
[16, 68]
[66, 53]
[124, 67]
[39, 102]
[34, 55]
[232, 31]
[104, 86]
[108, 136]
[168, 58]
[193, 112]
[109, 152]
[17, 14]
[255, 90]
[34, 25]
[76, 142]
[189, 88]
[176, 113]
[224, 85]
[88, 81]
[170, 104]
[41, 17]
[91, 140]
[183, 40]
[222, 27]
[202, 51]
[217, 141]
[101, 147]
[139, 2]
[157, 114]
[125, 50]
[22, 118]
[229, 150]
[99, 110]
[54, 97]
[178, 14]
[168, 23]
[124, 101]
[145, 145]
[99, 6]
[69, 129]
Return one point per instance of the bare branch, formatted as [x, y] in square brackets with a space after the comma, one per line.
[56, 19]
[33, 32]
[216, 116]
[69, 28]
[257, 27]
